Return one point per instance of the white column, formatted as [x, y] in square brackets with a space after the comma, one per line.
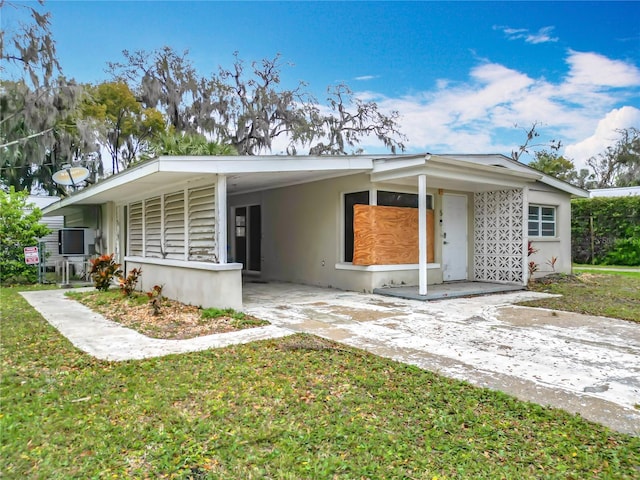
[422, 234]
[221, 217]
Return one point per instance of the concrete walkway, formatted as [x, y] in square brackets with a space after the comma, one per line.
[589, 365]
[107, 340]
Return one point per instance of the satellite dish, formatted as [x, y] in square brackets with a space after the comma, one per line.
[71, 176]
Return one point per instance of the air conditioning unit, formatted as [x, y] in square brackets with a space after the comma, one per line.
[76, 241]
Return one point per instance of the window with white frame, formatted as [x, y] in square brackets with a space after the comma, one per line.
[542, 221]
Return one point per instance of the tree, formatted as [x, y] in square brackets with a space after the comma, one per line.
[555, 165]
[619, 164]
[173, 143]
[248, 108]
[532, 134]
[345, 127]
[162, 79]
[35, 99]
[122, 126]
[19, 228]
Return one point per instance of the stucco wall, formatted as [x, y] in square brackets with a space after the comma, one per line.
[560, 246]
[203, 287]
[302, 235]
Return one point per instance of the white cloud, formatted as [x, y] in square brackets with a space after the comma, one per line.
[364, 78]
[479, 115]
[604, 135]
[543, 35]
[592, 69]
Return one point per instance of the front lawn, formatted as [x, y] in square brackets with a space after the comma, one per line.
[608, 294]
[293, 408]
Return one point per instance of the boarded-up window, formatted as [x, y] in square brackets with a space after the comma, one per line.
[389, 235]
[153, 228]
[202, 225]
[174, 226]
[135, 229]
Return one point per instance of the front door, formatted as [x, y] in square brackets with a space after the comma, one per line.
[454, 237]
[248, 237]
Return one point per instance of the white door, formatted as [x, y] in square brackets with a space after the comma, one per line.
[454, 237]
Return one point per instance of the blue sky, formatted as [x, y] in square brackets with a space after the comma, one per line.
[461, 74]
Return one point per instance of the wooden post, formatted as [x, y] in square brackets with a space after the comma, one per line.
[592, 235]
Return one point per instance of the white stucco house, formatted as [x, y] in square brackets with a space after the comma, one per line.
[197, 225]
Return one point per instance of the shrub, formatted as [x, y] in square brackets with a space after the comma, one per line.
[533, 266]
[19, 228]
[155, 299]
[597, 224]
[222, 312]
[128, 284]
[625, 251]
[103, 270]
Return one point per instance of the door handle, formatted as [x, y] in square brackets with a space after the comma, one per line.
[445, 243]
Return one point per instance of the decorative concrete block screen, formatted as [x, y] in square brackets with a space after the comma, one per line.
[498, 236]
[388, 235]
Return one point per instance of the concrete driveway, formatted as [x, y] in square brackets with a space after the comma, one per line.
[589, 365]
[583, 364]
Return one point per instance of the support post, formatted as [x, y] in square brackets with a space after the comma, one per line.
[221, 217]
[422, 234]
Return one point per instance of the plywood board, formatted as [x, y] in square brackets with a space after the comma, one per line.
[388, 235]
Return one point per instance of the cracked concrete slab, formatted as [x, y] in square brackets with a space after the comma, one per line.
[583, 364]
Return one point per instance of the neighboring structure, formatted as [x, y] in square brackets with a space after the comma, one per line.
[55, 223]
[614, 192]
[196, 224]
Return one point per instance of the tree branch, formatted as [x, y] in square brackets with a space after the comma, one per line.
[24, 139]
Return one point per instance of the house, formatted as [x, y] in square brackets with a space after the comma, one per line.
[197, 225]
[49, 243]
[614, 192]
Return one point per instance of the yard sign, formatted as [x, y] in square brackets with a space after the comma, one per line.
[31, 256]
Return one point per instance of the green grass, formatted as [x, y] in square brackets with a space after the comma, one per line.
[612, 272]
[293, 408]
[599, 293]
[587, 266]
[238, 320]
[597, 271]
[109, 297]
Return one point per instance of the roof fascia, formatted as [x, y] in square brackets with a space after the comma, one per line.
[544, 178]
[436, 166]
[129, 175]
[227, 165]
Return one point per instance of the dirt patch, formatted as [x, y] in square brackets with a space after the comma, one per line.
[176, 321]
[529, 317]
[362, 315]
